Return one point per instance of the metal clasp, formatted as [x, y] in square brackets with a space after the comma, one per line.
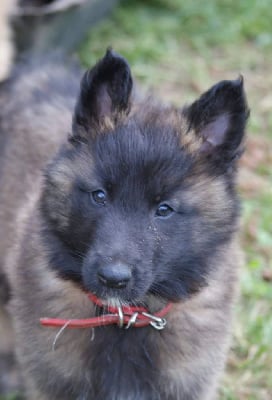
[156, 322]
[132, 320]
[121, 317]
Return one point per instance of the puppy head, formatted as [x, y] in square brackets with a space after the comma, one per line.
[142, 196]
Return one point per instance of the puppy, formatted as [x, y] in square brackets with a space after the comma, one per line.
[119, 223]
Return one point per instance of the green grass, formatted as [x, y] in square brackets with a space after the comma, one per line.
[180, 48]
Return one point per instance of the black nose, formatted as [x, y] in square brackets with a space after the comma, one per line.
[114, 276]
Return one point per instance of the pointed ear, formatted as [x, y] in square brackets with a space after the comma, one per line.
[218, 119]
[104, 93]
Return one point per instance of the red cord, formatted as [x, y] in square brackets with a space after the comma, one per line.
[108, 319]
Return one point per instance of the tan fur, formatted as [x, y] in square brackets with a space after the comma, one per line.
[165, 116]
[208, 195]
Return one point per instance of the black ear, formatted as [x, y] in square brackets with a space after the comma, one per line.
[218, 118]
[104, 94]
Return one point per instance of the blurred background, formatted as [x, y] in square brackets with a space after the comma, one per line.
[179, 48]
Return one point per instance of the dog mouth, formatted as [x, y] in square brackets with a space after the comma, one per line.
[128, 315]
[133, 294]
[116, 301]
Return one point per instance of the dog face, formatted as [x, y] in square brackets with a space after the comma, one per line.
[142, 197]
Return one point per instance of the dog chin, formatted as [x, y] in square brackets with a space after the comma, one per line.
[116, 298]
[114, 301]
[119, 299]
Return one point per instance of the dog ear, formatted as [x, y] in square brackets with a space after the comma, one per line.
[218, 119]
[104, 94]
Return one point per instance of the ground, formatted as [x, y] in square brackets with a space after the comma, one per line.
[178, 48]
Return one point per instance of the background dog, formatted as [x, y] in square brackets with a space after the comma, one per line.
[6, 45]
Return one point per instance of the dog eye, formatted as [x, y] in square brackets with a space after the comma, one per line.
[164, 210]
[99, 197]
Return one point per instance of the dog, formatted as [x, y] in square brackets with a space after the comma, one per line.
[119, 221]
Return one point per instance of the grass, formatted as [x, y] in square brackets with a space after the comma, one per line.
[179, 48]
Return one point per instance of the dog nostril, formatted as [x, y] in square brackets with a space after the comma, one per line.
[114, 276]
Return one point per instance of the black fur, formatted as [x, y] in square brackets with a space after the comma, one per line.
[4, 289]
[105, 90]
[220, 116]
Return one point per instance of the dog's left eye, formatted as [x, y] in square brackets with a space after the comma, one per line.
[164, 210]
[99, 197]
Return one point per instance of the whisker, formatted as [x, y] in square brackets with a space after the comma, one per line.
[59, 334]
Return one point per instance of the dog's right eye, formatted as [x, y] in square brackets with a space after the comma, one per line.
[164, 210]
[99, 197]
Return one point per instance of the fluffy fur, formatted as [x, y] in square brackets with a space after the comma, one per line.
[168, 214]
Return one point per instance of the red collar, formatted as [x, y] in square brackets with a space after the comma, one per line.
[123, 316]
